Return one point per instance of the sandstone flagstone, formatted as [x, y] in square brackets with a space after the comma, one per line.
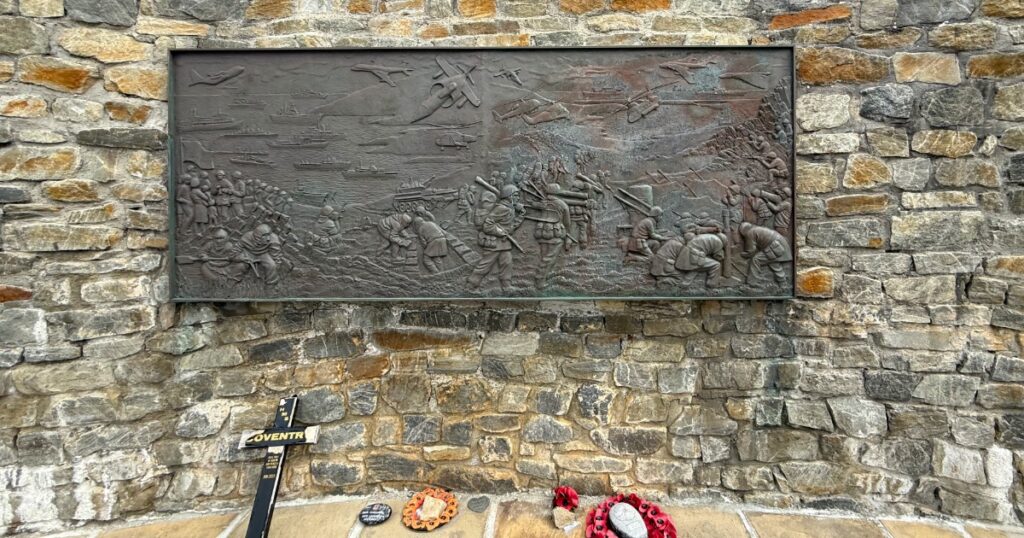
[784, 526]
[307, 521]
[209, 526]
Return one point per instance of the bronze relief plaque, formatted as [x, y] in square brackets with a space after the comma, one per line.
[482, 173]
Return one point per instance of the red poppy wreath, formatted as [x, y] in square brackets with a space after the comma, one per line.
[658, 523]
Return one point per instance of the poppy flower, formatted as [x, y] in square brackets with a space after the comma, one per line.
[566, 497]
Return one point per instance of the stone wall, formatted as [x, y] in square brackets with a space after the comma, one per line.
[892, 384]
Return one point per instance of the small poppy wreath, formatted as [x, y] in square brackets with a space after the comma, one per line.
[658, 523]
[412, 520]
[566, 497]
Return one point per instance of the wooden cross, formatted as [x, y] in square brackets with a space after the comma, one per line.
[276, 440]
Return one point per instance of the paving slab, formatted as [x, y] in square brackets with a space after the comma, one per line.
[694, 522]
[309, 520]
[799, 526]
[196, 527]
[467, 524]
[993, 532]
[919, 529]
[519, 519]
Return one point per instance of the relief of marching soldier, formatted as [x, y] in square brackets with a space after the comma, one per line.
[498, 216]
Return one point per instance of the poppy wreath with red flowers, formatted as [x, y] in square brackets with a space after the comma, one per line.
[566, 497]
[659, 524]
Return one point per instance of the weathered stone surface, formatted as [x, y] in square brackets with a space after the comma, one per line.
[170, 27]
[858, 204]
[71, 76]
[859, 232]
[812, 178]
[911, 174]
[877, 14]
[113, 12]
[964, 172]
[776, 445]
[594, 402]
[89, 324]
[148, 83]
[829, 65]
[336, 474]
[703, 420]
[22, 36]
[889, 142]
[998, 65]
[815, 478]
[816, 111]
[891, 102]
[947, 389]
[858, 417]
[957, 462]
[936, 229]
[809, 16]
[545, 429]
[421, 429]
[815, 282]
[76, 110]
[33, 237]
[938, 200]
[107, 46]
[1011, 9]
[623, 441]
[913, 12]
[22, 106]
[1009, 105]
[19, 326]
[864, 171]
[926, 67]
[203, 420]
[888, 385]
[964, 36]
[823, 143]
[908, 456]
[889, 39]
[951, 107]
[944, 143]
[204, 11]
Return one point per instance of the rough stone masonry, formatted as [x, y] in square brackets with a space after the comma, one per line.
[893, 384]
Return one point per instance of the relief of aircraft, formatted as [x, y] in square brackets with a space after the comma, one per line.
[216, 78]
[511, 74]
[456, 89]
[381, 72]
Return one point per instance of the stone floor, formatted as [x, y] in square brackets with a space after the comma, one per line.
[529, 517]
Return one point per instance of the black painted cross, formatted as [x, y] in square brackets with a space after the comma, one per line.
[276, 440]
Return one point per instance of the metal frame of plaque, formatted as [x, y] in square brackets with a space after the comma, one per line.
[510, 174]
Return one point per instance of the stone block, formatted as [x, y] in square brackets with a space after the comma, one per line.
[931, 67]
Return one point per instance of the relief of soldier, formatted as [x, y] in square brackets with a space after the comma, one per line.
[497, 218]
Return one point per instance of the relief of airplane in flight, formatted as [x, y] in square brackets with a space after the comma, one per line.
[216, 78]
[456, 85]
[381, 72]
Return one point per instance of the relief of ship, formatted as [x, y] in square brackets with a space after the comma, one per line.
[309, 94]
[216, 122]
[250, 132]
[320, 132]
[290, 114]
[298, 142]
[251, 159]
[368, 172]
[245, 102]
[326, 164]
